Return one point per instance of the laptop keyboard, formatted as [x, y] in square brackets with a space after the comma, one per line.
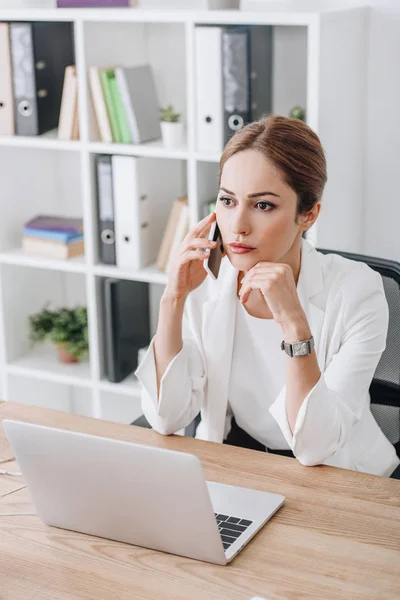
[231, 528]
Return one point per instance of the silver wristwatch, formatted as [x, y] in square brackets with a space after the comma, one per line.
[301, 348]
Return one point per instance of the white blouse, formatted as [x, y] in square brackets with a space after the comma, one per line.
[257, 363]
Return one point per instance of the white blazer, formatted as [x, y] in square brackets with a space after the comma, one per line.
[346, 308]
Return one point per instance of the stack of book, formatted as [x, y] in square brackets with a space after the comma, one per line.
[53, 236]
[125, 104]
[175, 231]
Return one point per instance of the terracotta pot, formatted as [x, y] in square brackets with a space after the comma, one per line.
[64, 356]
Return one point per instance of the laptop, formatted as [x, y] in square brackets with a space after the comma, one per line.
[137, 494]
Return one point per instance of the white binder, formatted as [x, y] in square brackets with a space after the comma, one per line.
[209, 89]
[144, 189]
[6, 84]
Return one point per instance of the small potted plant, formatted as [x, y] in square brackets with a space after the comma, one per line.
[65, 327]
[171, 127]
[298, 112]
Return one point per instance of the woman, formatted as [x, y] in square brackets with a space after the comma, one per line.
[218, 349]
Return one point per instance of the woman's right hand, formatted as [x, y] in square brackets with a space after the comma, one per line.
[187, 271]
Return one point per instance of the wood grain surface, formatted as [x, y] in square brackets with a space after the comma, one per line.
[336, 537]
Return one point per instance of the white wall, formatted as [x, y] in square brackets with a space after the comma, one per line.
[382, 160]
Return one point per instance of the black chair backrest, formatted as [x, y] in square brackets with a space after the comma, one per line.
[385, 386]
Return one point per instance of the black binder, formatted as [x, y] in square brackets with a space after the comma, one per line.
[235, 79]
[247, 75]
[127, 325]
[261, 54]
[40, 52]
[105, 210]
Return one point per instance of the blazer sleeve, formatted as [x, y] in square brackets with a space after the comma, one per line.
[337, 401]
[181, 386]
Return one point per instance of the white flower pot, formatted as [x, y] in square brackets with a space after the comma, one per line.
[172, 134]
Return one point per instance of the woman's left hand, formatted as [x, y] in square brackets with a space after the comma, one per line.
[276, 283]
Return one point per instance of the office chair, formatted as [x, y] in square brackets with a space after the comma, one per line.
[385, 386]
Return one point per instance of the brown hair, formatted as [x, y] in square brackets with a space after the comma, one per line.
[293, 147]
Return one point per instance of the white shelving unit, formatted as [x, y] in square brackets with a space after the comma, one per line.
[319, 62]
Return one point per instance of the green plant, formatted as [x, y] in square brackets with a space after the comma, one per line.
[168, 114]
[63, 326]
[298, 112]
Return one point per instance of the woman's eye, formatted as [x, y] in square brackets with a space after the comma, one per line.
[225, 200]
[265, 206]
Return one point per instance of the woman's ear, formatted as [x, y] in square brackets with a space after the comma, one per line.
[311, 216]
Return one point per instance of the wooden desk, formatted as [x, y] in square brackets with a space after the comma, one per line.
[337, 535]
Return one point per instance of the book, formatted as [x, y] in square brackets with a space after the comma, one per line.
[182, 228]
[57, 236]
[99, 106]
[68, 128]
[124, 132]
[166, 242]
[55, 223]
[139, 98]
[51, 248]
[106, 77]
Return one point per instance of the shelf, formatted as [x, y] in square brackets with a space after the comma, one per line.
[305, 14]
[42, 363]
[20, 258]
[150, 274]
[128, 387]
[47, 141]
[154, 149]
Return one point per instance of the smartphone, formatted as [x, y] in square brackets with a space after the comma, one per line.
[213, 262]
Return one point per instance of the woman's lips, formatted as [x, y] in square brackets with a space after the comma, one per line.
[240, 249]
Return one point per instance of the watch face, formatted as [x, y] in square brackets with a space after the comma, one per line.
[301, 349]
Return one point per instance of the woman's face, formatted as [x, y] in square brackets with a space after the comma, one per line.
[257, 208]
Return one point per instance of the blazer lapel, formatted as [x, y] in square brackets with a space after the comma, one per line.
[310, 290]
[219, 315]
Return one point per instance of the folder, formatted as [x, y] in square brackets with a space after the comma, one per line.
[38, 73]
[68, 122]
[139, 97]
[143, 189]
[6, 87]
[105, 210]
[127, 325]
[209, 90]
[99, 106]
